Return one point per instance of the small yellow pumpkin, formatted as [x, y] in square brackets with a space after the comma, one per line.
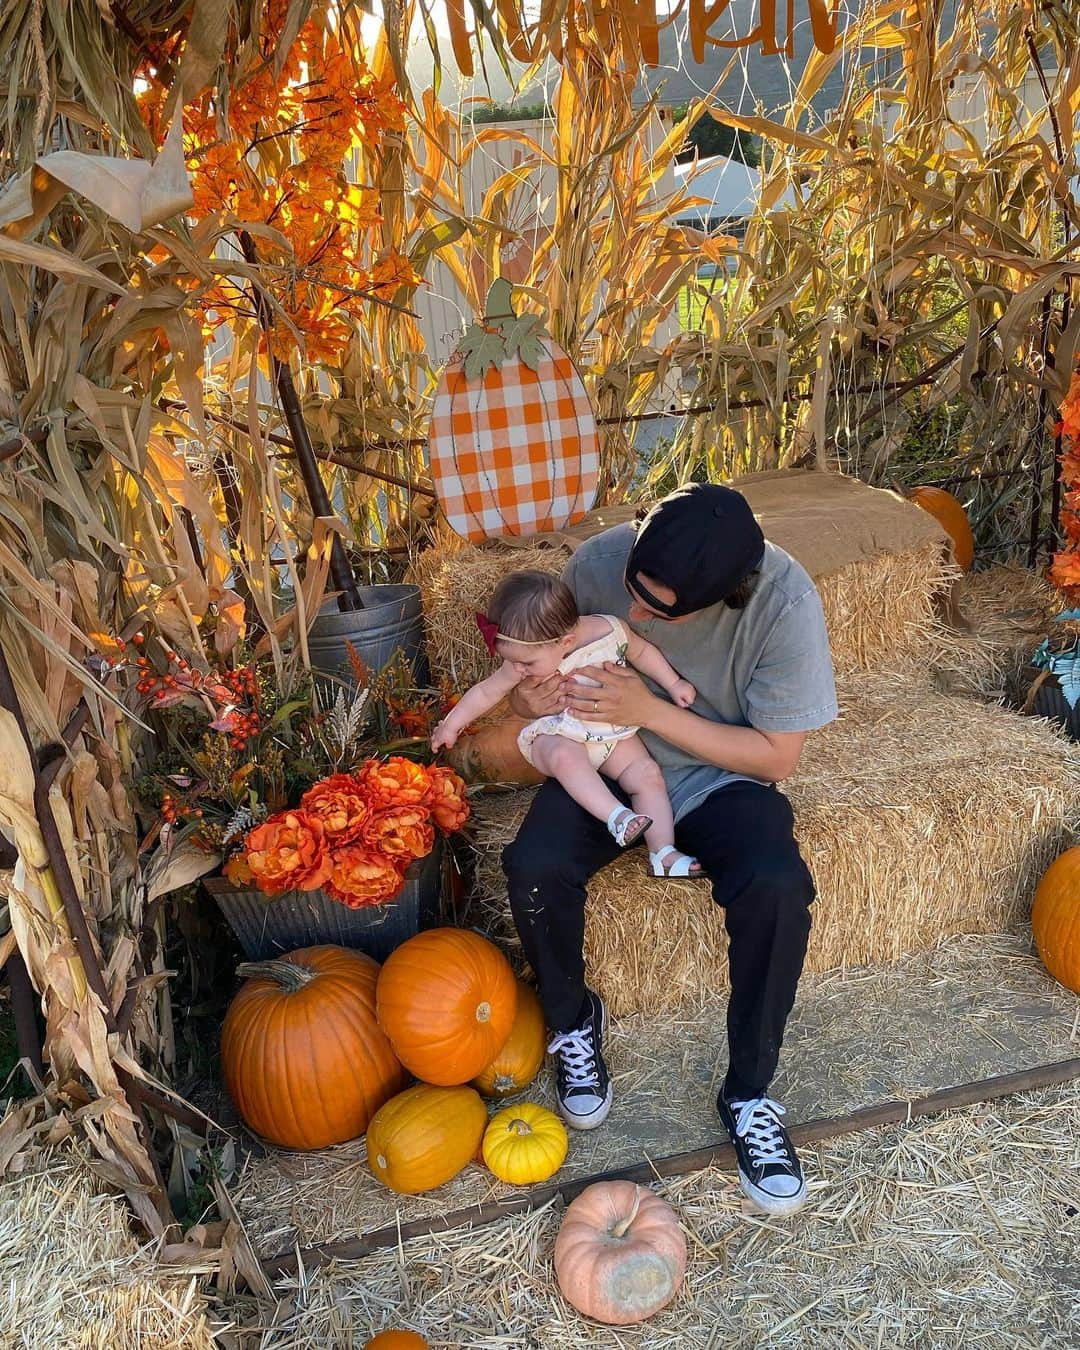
[518, 1062]
[1055, 919]
[525, 1144]
[424, 1136]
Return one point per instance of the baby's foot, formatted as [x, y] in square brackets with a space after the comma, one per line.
[675, 866]
[626, 827]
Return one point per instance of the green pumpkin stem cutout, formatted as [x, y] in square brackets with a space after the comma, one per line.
[501, 335]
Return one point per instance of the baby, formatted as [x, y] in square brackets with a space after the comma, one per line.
[533, 624]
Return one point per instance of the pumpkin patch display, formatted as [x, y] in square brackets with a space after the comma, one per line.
[446, 999]
[525, 1144]
[1055, 919]
[620, 1255]
[952, 517]
[301, 1052]
[518, 1062]
[424, 1136]
[512, 443]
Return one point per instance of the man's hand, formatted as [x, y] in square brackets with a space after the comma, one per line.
[682, 693]
[537, 698]
[443, 738]
[620, 696]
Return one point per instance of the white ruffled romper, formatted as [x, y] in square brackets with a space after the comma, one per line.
[599, 738]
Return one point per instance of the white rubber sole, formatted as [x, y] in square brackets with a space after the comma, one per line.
[772, 1204]
[600, 1113]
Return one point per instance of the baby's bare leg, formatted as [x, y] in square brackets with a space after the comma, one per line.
[568, 762]
[638, 774]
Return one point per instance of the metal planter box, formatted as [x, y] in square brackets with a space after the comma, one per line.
[269, 925]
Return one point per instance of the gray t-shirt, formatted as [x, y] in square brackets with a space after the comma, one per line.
[766, 666]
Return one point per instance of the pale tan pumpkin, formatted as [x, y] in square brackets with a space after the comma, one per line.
[620, 1255]
[518, 1062]
[1055, 919]
[424, 1136]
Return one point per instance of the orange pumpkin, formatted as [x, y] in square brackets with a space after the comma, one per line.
[394, 1339]
[424, 1136]
[620, 1255]
[490, 754]
[446, 998]
[1055, 919]
[518, 1062]
[948, 512]
[301, 1052]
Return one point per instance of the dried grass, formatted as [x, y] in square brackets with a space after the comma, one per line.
[1009, 611]
[71, 1274]
[957, 1230]
[920, 815]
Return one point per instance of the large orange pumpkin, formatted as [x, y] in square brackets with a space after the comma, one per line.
[1055, 919]
[490, 754]
[394, 1339]
[948, 512]
[620, 1255]
[301, 1052]
[518, 1062]
[424, 1136]
[446, 998]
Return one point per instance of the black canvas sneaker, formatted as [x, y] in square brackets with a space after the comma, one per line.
[769, 1170]
[581, 1077]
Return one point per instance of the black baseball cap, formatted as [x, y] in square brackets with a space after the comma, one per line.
[701, 541]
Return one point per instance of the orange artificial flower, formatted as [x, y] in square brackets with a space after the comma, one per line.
[449, 805]
[362, 876]
[401, 832]
[288, 853]
[394, 782]
[340, 803]
[237, 870]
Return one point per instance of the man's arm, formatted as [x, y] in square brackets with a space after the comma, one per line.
[769, 755]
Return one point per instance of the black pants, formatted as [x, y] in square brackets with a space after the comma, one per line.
[742, 835]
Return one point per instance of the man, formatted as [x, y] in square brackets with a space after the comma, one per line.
[742, 621]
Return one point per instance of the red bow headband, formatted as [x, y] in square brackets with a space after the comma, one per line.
[490, 633]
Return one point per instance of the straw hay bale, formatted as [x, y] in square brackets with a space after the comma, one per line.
[1008, 610]
[949, 1232]
[71, 1274]
[920, 815]
[874, 608]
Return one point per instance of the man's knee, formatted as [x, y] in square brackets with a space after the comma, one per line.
[778, 881]
[530, 862]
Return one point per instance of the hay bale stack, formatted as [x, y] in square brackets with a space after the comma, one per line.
[72, 1275]
[880, 565]
[1008, 611]
[921, 815]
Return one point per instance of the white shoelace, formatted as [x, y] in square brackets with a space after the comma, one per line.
[757, 1123]
[578, 1057]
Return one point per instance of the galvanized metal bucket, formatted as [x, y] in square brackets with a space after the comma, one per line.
[390, 621]
[269, 925]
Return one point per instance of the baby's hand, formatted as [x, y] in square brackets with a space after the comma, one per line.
[443, 738]
[683, 693]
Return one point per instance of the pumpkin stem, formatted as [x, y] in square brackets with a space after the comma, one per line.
[621, 1227]
[288, 974]
[519, 1126]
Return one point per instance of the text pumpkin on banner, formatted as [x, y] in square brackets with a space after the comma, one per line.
[513, 441]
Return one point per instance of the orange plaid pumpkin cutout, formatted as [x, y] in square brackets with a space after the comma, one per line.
[514, 451]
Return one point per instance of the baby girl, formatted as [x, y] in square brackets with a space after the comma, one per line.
[533, 624]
